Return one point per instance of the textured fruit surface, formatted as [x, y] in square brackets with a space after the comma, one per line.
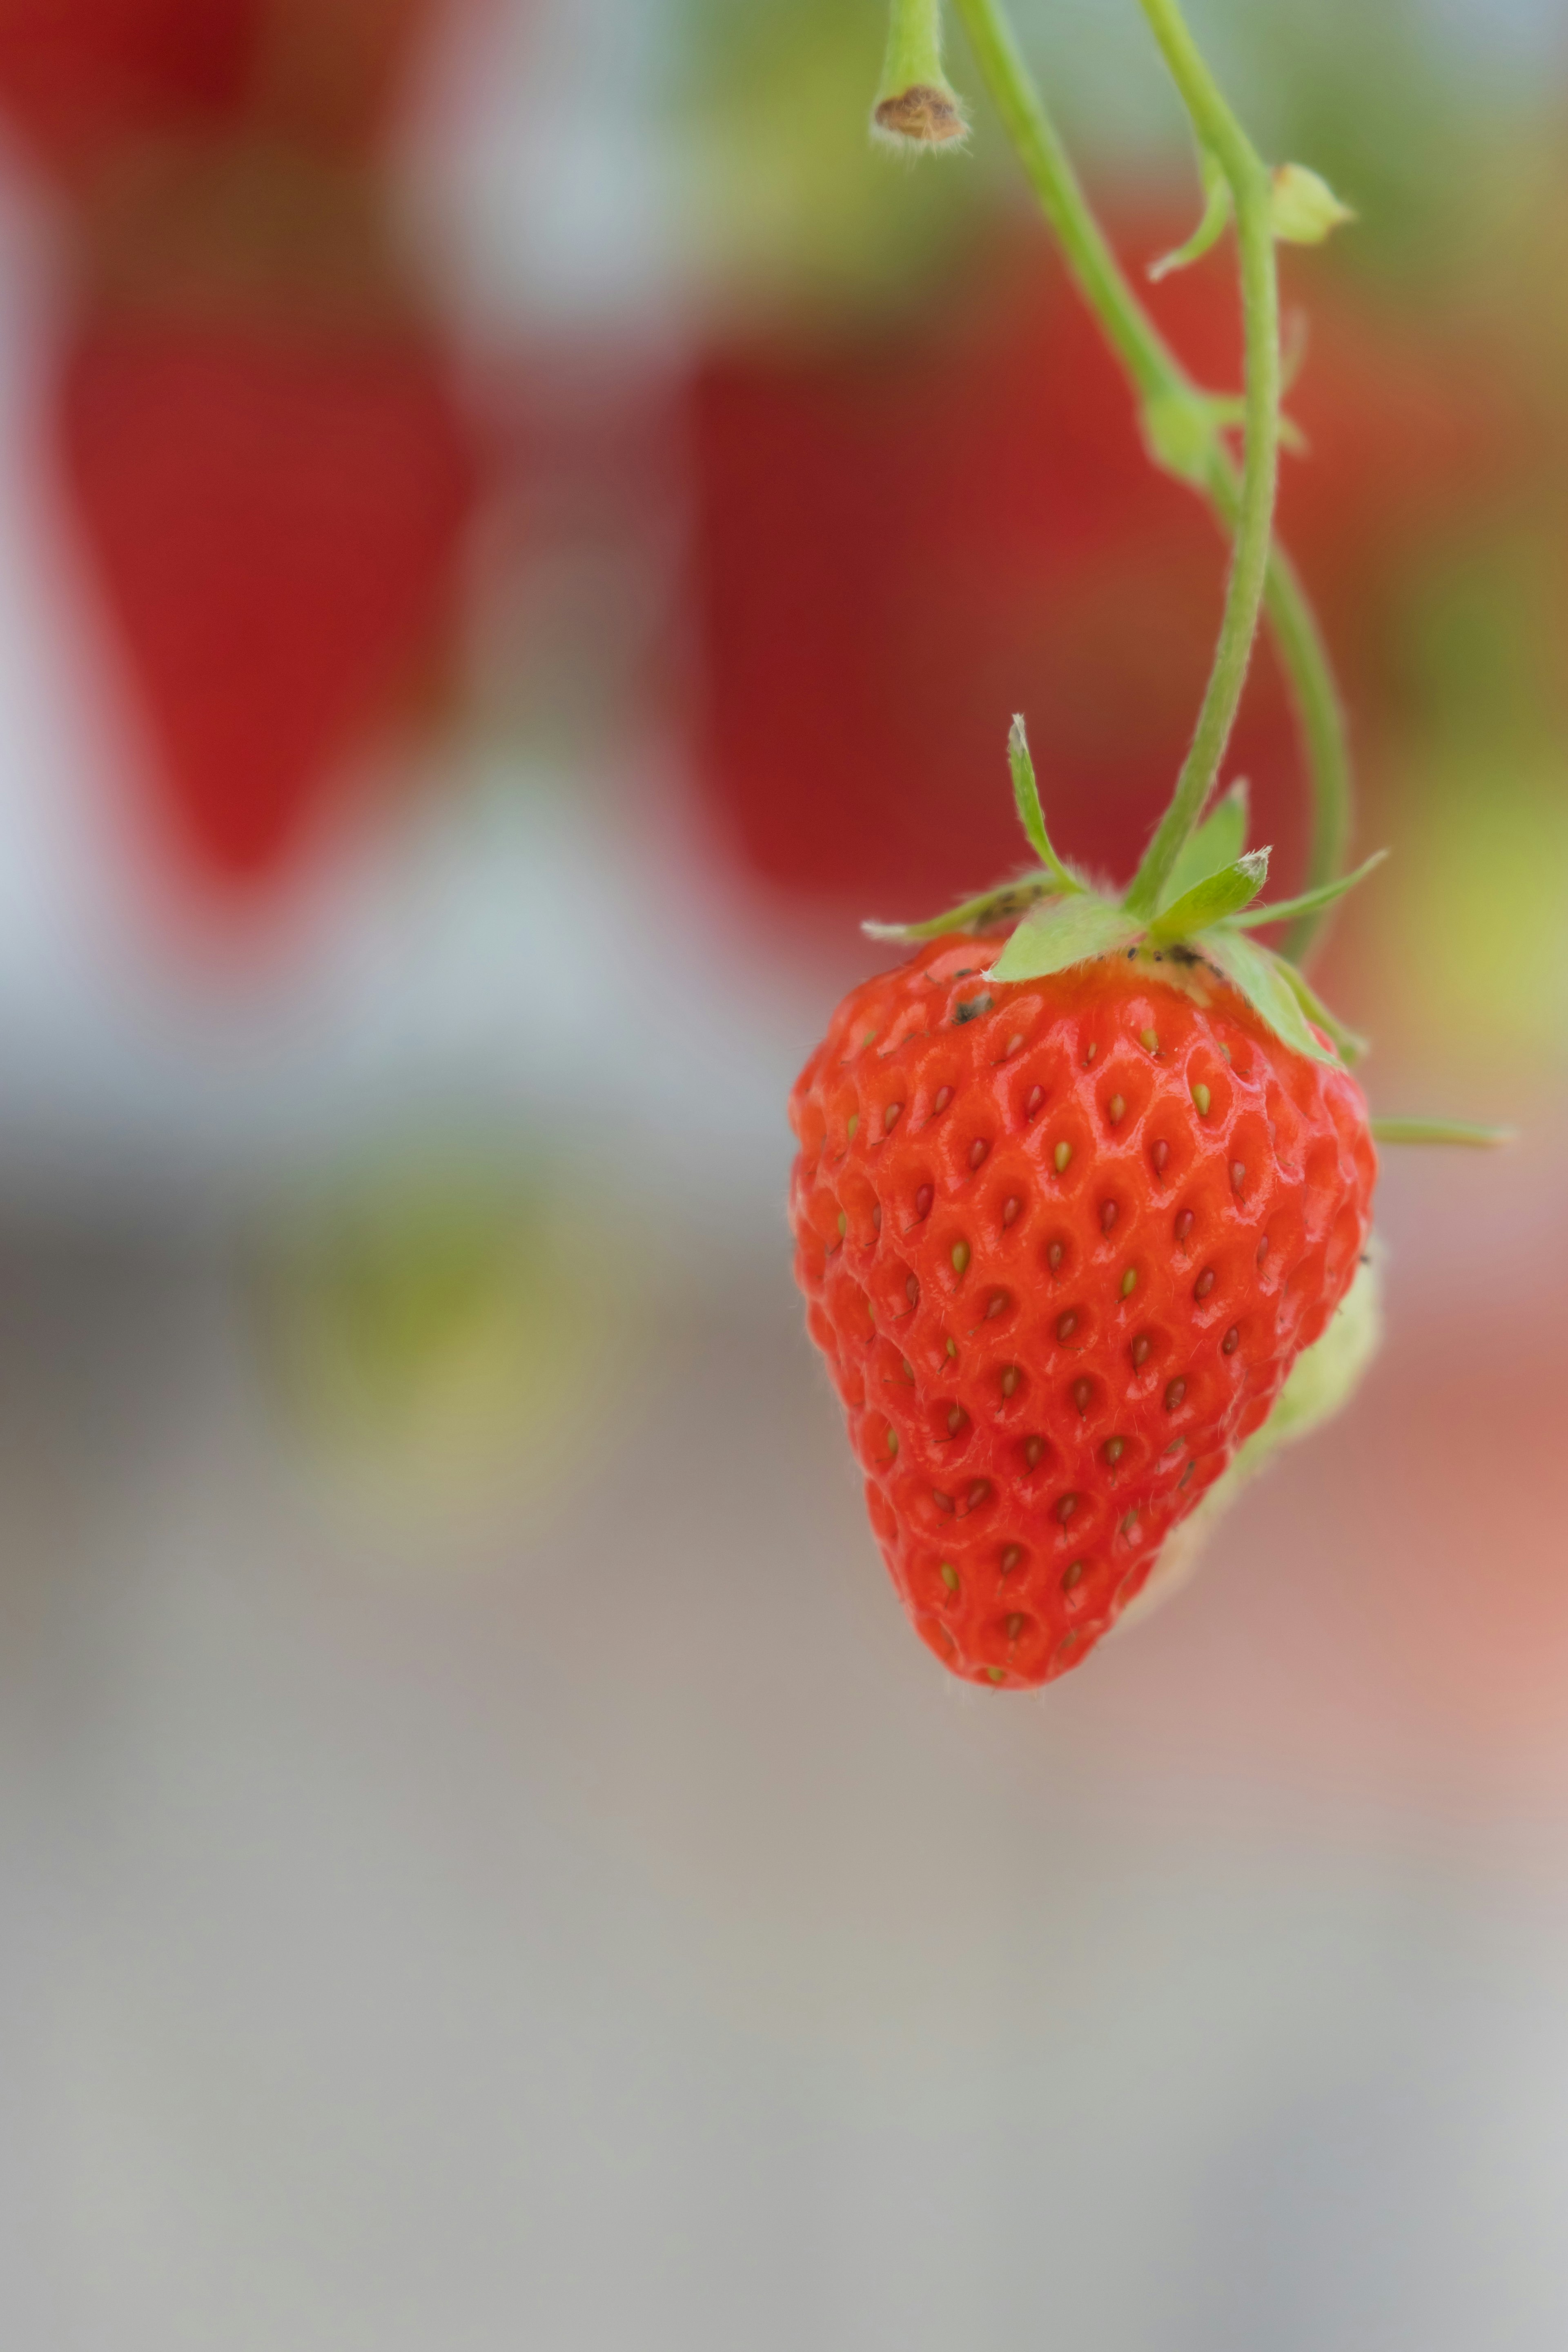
[1061, 1242]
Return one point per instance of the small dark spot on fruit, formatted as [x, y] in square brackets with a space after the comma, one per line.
[942, 1502]
[1174, 1394]
[950, 1576]
[1116, 1111]
[1033, 1451]
[995, 1305]
[1231, 1341]
[1066, 1508]
[1185, 1475]
[1067, 1326]
[1073, 1573]
[1015, 1627]
[1012, 1210]
[923, 1200]
[1262, 1249]
[1237, 1174]
[1115, 1447]
[955, 1420]
[891, 1117]
[1037, 1096]
[978, 1493]
[1141, 1347]
[1014, 1042]
[943, 1097]
[1011, 1557]
[1158, 1155]
[995, 1674]
[1009, 1380]
[972, 1011]
[1107, 1215]
[913, 1290]
[1182, 1226]
[1083, 1397]
[977, 1150]
[1054, 1256]
[1205, 1283]
[877, 1218]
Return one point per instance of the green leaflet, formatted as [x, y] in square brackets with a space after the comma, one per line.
[1067, 931]
[1031, 816]
[1441, 1131]
[1212, 899]
[975, 914]
[1219, 841]
[1266, 982]
[1209, 230]
[1285, 910]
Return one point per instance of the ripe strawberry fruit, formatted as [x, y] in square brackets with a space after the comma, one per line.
[278, 518]
[1062, 1238]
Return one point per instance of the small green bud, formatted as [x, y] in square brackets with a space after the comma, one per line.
[1180, 430]
[1303, 206]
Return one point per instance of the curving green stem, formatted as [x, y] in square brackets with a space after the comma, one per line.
[1243, 500]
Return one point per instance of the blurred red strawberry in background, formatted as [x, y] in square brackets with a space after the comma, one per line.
[277, 515]
[903, 537]
[256, 412]
[82, 78]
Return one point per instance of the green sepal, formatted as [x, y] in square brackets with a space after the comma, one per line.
[1031, 816]
[1209, 230]
[1287, 910]
[1442, 1130]
[1069, 931]
[1211, 901]
[1266, 981]
[976, 914]
[1350, 1044]
[1219, 841]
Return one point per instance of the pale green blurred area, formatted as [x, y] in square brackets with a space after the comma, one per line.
[483, 1862]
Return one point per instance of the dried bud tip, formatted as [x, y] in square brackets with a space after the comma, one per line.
[925, 114]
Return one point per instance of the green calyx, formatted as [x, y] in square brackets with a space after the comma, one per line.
[1203, 915]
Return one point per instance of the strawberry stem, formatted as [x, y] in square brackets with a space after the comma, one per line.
[1158, 376]
[915, 105]
[1248, 181]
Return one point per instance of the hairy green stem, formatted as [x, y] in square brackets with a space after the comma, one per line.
[1158, 376]
[1224, 138]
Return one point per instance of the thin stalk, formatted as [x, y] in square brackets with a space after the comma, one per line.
[1220, 134]
[1157, 375]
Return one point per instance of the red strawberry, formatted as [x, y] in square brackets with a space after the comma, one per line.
[1062, 1240]
[277, 512]
[82, 77]
[901, 532]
